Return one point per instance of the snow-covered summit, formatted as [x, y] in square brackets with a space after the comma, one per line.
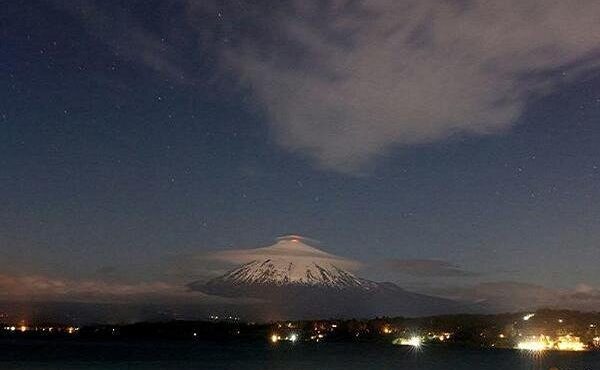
[291, 261]
[283, 271]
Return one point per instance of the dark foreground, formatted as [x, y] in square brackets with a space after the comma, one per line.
[65, 354]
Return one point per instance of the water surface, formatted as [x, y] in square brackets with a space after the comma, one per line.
[141, 355]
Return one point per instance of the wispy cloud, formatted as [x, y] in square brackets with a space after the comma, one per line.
[205, 265]
[344, 81]
[127, 37]
[45, 288]
[426, 268]
[383, 73]
[514, 296]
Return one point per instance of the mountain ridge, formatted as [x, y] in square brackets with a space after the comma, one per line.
[296, 280]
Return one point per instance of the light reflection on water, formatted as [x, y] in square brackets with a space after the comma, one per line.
[146, 355]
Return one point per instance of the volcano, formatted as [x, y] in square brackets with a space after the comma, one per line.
[296, 280]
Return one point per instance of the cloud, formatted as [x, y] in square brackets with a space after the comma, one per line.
[377, 74]
[516, 296]
[344, 81]
[426, 268]
[204, 266]
[127, 37]
[44, 288]
[240, 256]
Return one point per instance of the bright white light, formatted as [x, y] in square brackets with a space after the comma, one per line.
[294, 337]
[562, 343]
[528, 316]
[412, 341]
[415, 342]
[536, 344]
[570, 343]
[532, 346]
[571, 346]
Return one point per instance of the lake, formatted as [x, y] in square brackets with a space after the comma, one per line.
[69, 354]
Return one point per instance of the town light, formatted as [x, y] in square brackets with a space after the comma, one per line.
[535, 346]
[562, 343]
[570, 343]
[412, 341]
[528, 316]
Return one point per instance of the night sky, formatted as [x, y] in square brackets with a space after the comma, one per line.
[444, 144]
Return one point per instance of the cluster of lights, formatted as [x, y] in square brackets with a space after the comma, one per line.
[414, 341]
[533, 345]
[544, 343]
[229, 318]
[21, 328]
[317, 338]
[320, 331]
[570, 343]
[24, 328]
[439, 336]
[292, 337]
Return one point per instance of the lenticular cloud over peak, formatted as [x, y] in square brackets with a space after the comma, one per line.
[291, 247]
[372, 75]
